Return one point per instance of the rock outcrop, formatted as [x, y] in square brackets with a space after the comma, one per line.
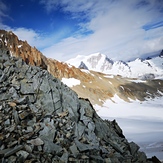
[43, 120]
[22, 49]
[34, 57]
[161, 54]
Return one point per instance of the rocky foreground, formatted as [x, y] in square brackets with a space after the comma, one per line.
[42, 120]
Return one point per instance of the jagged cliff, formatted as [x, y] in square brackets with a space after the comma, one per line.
[43, 120]
[32, 56]
[22, 49]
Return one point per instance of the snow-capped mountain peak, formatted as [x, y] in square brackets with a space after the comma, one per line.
[135, 69]
[97, 62]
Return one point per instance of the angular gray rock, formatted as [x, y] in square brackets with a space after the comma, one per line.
[43, 120]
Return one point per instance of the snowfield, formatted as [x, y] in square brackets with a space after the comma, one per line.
[118, 108]
[70, 82]
[141, 122]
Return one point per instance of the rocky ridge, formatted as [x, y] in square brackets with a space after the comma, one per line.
[34, 57]
[95, 86]
[22, 49]
[43, 120]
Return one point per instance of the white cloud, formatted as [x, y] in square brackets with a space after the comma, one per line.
[34, 38]
[68, 5]
[3, 10]
[65, 49]
[27, 34]
[116, 26]
[117, 29]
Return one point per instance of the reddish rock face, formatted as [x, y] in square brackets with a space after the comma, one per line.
[34, 57]
[62, 70]
[22, 49]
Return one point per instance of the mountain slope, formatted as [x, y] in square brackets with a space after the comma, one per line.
[96, 86]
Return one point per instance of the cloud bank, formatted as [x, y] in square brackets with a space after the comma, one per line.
[120, 29]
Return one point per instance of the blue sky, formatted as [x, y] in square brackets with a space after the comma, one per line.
[63, 29]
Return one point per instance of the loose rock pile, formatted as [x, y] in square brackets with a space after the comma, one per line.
[42, 120]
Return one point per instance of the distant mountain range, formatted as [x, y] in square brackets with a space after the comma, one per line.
[95, 77]
[139, 68]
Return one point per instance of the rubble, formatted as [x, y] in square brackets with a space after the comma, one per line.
[42, 120]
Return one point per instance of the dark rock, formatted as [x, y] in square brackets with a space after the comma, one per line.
[26, 88]
[154, 159]
[28, 148]
[23, 100]
[22, 153]
[3, 78]
[16, 117]
[64, 157]
[23, 114]
[9, 152]
[134, 148]
[141, 157]
[36, 142]
[12, 159]
[117, 129]
[161, 54]
[7, 122]
[74, 150]
[79, 129]
[48, 131]
[83, 66]
[50, 147]
[96, 158]
[84, 147]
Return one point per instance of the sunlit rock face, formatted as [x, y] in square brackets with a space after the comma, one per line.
[43, 120]
[22, 49]
[32, 56]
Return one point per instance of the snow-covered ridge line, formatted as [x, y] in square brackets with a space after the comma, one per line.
[138, 68]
